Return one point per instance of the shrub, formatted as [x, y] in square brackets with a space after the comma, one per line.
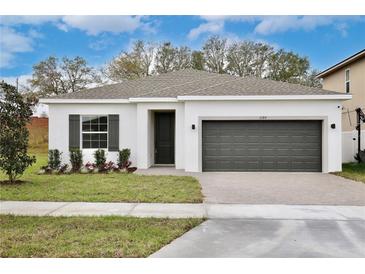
[63, 169]
[123, 159]
[76, 159]
[15, 113]
[54, 158]
[100, 157]
[45, 170]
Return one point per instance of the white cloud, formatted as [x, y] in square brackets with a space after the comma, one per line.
[11, 80]
[11, 43]
[210, 27]
[94, 25]
[91, 24]
[342, 28]
[27, 19]
[266, 25]
[215, 24]
[277, 24]
[101, 44]
[232, 18]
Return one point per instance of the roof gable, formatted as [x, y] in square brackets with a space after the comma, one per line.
[353, 58]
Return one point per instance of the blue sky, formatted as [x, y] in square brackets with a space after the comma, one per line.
[26, 40]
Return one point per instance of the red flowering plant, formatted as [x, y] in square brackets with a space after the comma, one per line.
[109, 166]
[90, 166]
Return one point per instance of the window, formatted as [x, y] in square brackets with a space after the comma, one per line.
[94, 131]
[347, 80]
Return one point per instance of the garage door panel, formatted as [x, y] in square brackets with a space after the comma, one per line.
[282, 139]
[269, 165]
[262, 146]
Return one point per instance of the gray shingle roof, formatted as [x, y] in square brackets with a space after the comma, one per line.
[191, 82]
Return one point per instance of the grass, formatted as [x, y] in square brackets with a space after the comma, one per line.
[101, 187]
[108, 237]
[353, 171]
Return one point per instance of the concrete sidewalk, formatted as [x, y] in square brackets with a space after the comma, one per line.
[210, 211]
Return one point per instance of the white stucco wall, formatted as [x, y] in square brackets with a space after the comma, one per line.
[136, 126]
[328, 111]
[349, 145]
[58, 127]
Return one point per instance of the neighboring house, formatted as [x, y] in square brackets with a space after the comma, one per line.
[348, 76]
[200, 121]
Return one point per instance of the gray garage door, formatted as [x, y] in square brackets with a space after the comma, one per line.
[262, 146]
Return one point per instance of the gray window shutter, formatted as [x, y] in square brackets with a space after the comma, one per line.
[74, 131]
[113, 141]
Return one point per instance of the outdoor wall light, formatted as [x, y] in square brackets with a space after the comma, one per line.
[193, 126]
[333, 126]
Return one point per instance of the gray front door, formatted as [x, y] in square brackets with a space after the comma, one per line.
[164, 137]
[262, 146]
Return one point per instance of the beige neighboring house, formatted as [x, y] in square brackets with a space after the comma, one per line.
[348, 76]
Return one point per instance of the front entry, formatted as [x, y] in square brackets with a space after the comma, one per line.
[165, 138]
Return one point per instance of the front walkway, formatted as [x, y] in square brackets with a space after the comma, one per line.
[210, 211]
[289, 188]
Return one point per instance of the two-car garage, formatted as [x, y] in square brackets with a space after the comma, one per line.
[264, 145]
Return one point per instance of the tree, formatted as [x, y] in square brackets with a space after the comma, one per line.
[46, 77]
[132, 65]
[287, 67]
[197, 60]
[310, 79]
[182, 58]
[240, 58]
[166, 58]
[76, 74]
[51, 77]
[262, 55]
[215, 54]
[145, 53]
[123, 67]
[15, 113]
[246, 58]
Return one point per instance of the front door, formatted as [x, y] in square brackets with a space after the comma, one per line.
[164, 137]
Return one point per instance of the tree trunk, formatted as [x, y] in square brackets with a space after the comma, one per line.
[12, 178]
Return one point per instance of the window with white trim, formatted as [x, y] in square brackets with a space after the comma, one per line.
[347, 80]
[94, 131]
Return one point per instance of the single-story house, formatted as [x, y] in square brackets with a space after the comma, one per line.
[201, 121]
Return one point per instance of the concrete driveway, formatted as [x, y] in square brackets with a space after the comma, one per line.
[242, 238]
[274, 187]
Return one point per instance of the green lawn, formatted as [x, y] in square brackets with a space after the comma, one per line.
[353, 171]
[87, 236]
[101, 187]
